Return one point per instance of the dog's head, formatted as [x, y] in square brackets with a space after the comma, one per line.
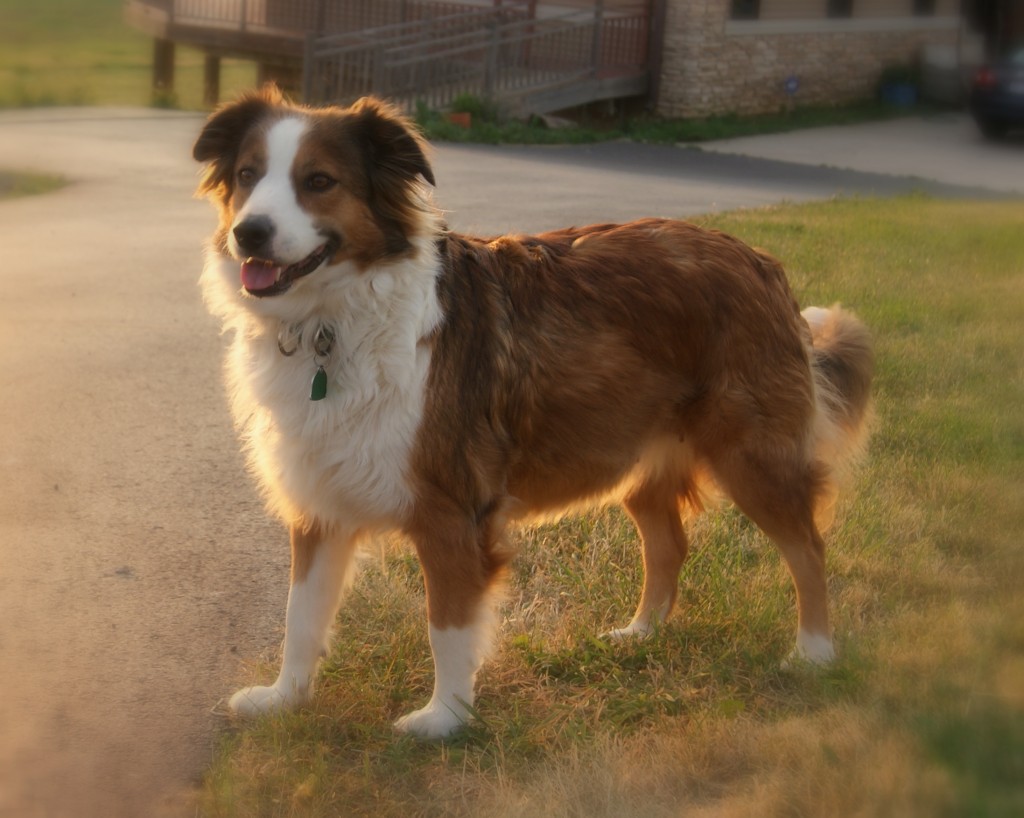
[302, 189]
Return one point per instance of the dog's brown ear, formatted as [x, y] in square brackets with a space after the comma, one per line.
[221, 137]
[396, 149]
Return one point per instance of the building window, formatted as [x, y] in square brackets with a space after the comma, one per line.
[840, 8]
[924, 8]
[745, 9]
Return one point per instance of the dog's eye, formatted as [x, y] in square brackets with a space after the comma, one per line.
[246, 177]
[319, 182]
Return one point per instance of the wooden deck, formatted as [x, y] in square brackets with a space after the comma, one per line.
[530, 54]
[225, 34]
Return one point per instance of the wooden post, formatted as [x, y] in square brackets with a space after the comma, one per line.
[309, 66]
[163, 67]
[319, 17]
[595, 46]
[491, 63]
[655, 49]
[211, 80]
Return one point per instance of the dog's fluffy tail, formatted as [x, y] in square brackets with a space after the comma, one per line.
[843, 364]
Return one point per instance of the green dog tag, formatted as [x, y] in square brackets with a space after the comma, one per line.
[318, 389]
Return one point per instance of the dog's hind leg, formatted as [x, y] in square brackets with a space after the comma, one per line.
[778, 493]
[462, 561]
[654, 507]
[321, 565]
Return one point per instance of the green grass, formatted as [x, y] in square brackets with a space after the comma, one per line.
[80, 52]
[16, 184]
[922, 714]
[489, 127]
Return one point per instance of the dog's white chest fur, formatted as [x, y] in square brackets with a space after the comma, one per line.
[343, 459]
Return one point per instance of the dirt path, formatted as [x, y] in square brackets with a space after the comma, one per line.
[123, 591]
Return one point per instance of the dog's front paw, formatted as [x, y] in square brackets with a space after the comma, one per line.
[435, 721]
[251, 702]
[810, 650]
[634, 630]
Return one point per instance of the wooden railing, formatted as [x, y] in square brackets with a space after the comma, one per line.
[428, 51]
[494, 53]
[300, 17]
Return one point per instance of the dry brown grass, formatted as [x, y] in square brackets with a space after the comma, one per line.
[922, 715]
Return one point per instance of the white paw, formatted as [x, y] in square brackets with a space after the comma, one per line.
[435, 721]
[251, 702]
[637, 629]
[811, 649]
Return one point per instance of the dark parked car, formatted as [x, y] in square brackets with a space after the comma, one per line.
[997, 94]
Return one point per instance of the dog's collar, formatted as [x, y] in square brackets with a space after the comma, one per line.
[289, 339]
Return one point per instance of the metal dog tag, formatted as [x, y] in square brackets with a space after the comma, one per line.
[318, 389]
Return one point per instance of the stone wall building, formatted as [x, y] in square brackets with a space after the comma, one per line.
[758, 56]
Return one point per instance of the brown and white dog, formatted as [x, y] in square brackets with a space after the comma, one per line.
[462, 384]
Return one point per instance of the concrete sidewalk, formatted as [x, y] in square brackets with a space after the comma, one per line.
[945, 148]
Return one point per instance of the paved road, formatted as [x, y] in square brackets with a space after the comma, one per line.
[138, 571]
[945, 146]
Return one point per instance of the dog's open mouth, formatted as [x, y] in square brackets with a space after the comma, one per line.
[261, 277]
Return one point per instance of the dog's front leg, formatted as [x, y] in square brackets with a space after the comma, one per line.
[458, 654]
[460, 565]
[321, 564]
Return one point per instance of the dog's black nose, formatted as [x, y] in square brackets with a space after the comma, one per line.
[254, 234]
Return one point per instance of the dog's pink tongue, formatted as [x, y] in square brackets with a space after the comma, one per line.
[259, 275]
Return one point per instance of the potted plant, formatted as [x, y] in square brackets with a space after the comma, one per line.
[898, 85]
